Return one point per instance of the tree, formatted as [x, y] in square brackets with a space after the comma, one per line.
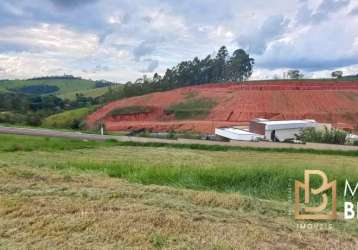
[239, 66]
[219, 69]
[337, 74]
[294, 74]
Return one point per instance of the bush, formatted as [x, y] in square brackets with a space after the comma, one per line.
[12, 118]
[333, 136]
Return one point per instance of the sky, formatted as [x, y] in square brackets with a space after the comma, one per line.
[120, 40]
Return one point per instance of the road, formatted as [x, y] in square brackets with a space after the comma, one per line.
[95, 137]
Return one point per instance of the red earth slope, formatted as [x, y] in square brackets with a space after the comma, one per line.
[326, 101]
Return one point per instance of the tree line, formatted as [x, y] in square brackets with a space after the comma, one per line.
[18, 108]
[221, 67]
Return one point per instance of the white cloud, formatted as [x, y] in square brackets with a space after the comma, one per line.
[125, 38]
[50, 38]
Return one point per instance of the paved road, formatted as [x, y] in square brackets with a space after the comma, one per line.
[94, 137]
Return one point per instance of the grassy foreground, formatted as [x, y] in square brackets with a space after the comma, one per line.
[58, 194]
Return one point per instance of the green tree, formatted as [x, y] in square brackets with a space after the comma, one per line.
[220, 65]
[240, 66]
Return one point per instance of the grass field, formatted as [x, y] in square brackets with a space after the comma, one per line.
[67, 87]
[108, 195]
[67, 118]
[87, 93]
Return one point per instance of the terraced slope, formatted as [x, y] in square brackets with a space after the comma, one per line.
[327, 101]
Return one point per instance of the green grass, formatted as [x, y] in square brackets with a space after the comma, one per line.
[192, 108]
[87, 93]
[258, 173]
[266, 181]
[130, 110]
[261, 174]
[65, 86]
[67, 118]
[13, 143]
[32, 141]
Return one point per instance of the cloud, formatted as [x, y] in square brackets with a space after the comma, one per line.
[306, 15]
[122, 39]
[151, 65]
[327, 7]
[47, 38]
[69, 4]
[144, 48]
[326, 46]
[257, 41]
[354, 11]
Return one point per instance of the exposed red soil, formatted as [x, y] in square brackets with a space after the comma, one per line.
[326, 101]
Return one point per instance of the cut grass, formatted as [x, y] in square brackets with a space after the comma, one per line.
[268, 181]
[64, 198]
[262, 175]
[95, 212]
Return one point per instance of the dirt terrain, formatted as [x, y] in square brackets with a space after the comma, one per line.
[327, 101]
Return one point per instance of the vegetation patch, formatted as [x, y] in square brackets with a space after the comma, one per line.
[74, 119]
[197, 108]
[14, 143]
[37, 89]
[130, 110]
[330, 136]
[260, 180]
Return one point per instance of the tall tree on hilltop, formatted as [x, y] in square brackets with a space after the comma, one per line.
[239, 66]
[220, 63]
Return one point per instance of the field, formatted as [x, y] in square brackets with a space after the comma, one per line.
[67, 88]
[67, 118]
[108, 195]
[195, 108]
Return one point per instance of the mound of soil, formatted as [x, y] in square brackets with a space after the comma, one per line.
[327, 101]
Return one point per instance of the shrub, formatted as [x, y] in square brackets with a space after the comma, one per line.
[333, 136]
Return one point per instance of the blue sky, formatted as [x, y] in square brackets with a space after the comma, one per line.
[121, 40]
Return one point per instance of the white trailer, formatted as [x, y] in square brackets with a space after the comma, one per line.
[237, 134]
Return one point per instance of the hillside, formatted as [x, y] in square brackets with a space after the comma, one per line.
[202, 108]
[66, 88]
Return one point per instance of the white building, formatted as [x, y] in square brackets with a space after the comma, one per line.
[237, 134]
[266, 129]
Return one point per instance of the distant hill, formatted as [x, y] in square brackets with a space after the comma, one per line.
[350, 77]
[204, 107]
[62, 86]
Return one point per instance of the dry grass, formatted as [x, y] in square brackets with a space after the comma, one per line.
[44, 205]
[47, 209]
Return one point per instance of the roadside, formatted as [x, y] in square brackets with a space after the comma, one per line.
[96, 137]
